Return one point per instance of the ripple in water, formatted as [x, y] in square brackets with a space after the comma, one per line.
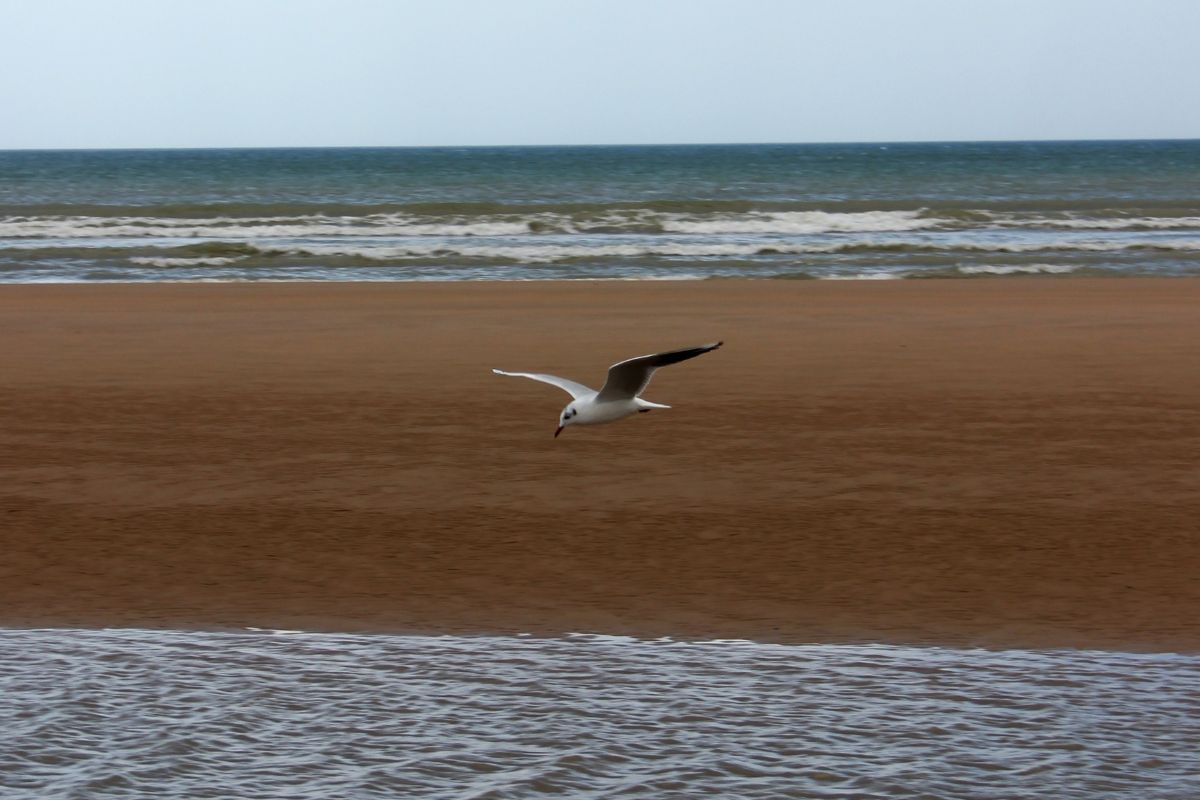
[151, 714]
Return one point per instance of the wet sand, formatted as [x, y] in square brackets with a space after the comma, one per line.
[1006, 462]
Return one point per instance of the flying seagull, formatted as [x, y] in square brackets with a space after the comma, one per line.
[618, 398]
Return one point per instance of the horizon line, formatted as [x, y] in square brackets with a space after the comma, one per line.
[878, 142]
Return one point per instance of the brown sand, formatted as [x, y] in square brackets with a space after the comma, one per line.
[993, 462]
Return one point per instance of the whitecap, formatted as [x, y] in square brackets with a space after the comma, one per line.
[167, 262]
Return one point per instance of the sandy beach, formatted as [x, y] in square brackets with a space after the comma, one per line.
[1006, 462]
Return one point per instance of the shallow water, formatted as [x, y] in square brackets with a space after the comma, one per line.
[153, 714]
[653, 212]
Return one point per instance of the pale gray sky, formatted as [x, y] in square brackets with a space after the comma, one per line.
[226, 73]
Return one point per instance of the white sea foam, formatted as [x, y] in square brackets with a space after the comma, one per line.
[540, 223]
[534, 253]
[1003, 245]
[151, 261]
[252, 228]
[1017, 269]
[588, 242]
[862, 276]
[548, 251]
[675, 276]
[803, 222]
[1076, 222]
[1106, 246]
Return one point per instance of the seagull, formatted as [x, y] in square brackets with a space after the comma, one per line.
[618, 398]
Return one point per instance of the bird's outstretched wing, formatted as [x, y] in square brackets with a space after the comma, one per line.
[576, 390]
[629, 378]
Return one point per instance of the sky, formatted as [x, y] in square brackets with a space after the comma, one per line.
[275, 73]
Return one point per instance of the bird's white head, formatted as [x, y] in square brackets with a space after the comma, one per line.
[567, 417]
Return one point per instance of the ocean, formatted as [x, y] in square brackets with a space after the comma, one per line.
[836, 211]
[157, 714]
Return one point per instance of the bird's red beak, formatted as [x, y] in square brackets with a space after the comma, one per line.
[557, 432]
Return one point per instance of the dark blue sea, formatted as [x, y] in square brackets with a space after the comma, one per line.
[849, 211]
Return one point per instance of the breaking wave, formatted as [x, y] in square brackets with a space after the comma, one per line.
[493, 222]
[558, 250]
[657, 239]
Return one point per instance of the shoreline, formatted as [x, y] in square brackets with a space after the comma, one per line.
[614, 638]
[995, 463]
[881, 277]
